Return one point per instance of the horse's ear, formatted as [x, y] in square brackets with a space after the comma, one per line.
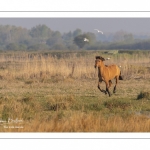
[102, 59]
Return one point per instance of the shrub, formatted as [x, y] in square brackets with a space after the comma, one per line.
[144, 95]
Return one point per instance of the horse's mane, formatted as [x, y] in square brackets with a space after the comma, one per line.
[99, 57]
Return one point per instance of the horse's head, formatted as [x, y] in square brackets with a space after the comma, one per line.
[98, 61]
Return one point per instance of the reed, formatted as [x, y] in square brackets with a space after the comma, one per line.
[29, 66]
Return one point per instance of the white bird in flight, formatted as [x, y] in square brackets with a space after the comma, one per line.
[86, 40]
[98, 30]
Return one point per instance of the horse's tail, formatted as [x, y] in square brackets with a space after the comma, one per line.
[120, 77]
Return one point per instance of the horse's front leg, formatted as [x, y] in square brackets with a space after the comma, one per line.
[99, 82]
[107, 88]
[110, 83]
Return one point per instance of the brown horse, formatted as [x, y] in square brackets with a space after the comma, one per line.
[106, 74]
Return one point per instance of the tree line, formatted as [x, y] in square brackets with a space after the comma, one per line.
[42, 37]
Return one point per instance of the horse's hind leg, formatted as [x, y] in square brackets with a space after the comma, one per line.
[114, 91]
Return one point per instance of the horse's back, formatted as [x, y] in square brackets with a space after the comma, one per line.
[113, 71]
[113, 68]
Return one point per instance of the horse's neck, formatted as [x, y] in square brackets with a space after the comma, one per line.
[100, 69]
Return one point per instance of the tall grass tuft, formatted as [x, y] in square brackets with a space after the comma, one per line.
[144, 95]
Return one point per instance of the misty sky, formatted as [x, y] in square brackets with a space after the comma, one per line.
[132, 25]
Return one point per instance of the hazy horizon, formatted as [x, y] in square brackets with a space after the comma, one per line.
[132, 25]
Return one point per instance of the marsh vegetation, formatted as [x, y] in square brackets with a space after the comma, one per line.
[57, 91]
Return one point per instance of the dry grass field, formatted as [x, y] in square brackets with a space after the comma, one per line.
[56, 91]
